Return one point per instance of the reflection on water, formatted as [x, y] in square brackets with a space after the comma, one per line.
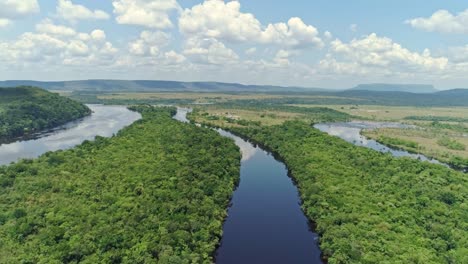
[181, 114]
[105, 121]
[351, 132]
[246, 148]
[265, 223]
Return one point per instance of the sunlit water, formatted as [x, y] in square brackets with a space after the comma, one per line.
[351, 132]
[104, 121]
[265, 223]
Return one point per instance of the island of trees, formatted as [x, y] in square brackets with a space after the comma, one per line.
[155, 193]
[27, 110]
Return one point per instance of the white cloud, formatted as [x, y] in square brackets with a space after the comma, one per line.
[147, 13]
[209, 51]
[328, 35]
[224, 21]
[16, 9]
[57, 45]
[442, 21]
[174, 58]
[251, 51]
[282, 57]
[73, 12]
[379, 55]
[353, 27]
[149, 43]
[48, 27]
[4, 22]
[98, 35]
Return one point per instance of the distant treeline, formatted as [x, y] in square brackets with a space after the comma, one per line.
[437, 118]
[26, 110]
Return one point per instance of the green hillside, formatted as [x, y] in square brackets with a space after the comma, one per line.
[26, 110]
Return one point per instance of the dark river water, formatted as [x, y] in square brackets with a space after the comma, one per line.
[265, 223]
[105, 121]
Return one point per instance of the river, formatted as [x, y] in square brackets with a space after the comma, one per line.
[265, 223]
[104, 121]
[351, 132]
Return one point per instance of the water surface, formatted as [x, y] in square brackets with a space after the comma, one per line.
[351, 132]
[265, 223]
[104, 121]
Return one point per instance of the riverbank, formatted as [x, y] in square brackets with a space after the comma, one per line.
[25, 111]
[105, 121]
[265, 223]
[369, 206]
[155, 192]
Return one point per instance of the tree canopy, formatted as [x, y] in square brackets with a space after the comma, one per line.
[26, 110]
[155, 193]
[370, 207]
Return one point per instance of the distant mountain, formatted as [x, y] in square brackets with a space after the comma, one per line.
[454, 92]
[150, 85]
[384, 87]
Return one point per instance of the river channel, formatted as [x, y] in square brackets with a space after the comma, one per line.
[104, 121]
[265, 223]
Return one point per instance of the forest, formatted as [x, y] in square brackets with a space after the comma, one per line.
[157, 192]
[370, 207]
[27, 110]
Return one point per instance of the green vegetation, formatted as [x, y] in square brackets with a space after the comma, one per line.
[397, 142]
[155, 193]
[437, 118]
[225, 114]
[370, 207]
[26, 110]
[450, 144]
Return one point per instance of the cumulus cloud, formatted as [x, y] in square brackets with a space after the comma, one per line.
[209, 51]
[251, 51]
[224, 21]
[442, 21]
[174, 58]
[379, 55]
[57, 45]
[48, 27]
[73, 12]
[13, 9]
[4, 22]
[149, 43]
[147, 13]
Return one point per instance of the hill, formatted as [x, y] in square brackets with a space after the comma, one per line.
[26, 110]
[384, 87]
[154, 85]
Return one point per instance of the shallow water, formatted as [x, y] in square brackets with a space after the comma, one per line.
[351, 132]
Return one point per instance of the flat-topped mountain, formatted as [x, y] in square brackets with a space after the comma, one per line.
[385, 87]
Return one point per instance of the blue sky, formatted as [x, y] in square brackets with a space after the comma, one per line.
[334, 44]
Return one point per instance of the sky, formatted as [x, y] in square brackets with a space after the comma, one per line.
[321, 43]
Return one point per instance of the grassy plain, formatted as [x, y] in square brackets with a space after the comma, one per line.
[201, 98]
[395, 113]
[227, 109]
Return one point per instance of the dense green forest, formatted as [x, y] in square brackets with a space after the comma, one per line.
[370, 207]
[26, 110]
[155, 193]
